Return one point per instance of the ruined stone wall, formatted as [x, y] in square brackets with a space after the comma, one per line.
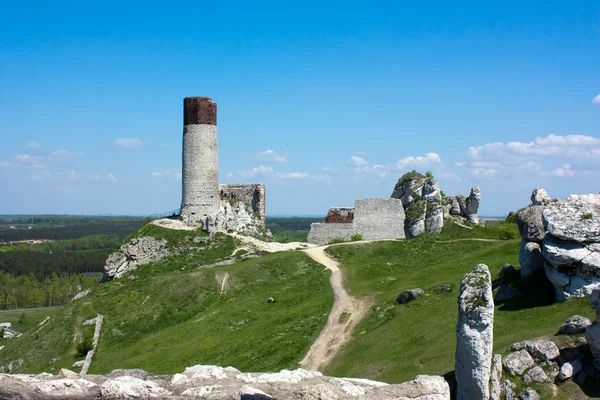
[322, 233]
[379, 218]
[376, 218]
[200, 170]
[340, 215]
[253, 194]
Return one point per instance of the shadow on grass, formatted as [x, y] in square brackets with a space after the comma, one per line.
[535, 291]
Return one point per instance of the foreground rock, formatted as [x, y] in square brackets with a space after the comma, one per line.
[474, 335]
[575, 324]
[212, 382]
[410, 295]
[562, 238]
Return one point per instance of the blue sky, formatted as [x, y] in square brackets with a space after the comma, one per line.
[324, 102]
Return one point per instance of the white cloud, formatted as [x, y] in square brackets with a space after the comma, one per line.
[113, 178]
[551, 145]
[596, 100]
[419, 162]
[260, 170]
[73, 175]
[33, 144]
[270, 173]
[268, 156]
[24, 161]
[356, 161]
[129, 142]
[64, 156]
[168, 173]
[294, 175]
[28, 159]
[562, 155]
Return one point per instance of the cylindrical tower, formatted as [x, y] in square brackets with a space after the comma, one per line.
[200, 172]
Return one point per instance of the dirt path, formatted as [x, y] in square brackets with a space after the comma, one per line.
[271, 247]
[346, 313]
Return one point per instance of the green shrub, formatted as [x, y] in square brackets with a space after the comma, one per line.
[587, 215]
[507, 234]
[407, 177]
[356, 237]
[23, 319]
[84, 347]
[429, 174]
[511, 218]
[336, 240]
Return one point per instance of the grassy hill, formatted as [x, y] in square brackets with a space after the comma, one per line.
[174, 314]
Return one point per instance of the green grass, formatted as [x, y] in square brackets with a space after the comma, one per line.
[396, 342]
[290, 236]
[32, 318]
[174, 238]
[174, 315]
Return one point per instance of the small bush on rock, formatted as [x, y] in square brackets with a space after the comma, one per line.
[587, 215]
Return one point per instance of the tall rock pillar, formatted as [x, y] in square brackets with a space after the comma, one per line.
[200, 172]
[474, 335]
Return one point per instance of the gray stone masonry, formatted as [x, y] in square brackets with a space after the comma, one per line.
[379, 218]
[375, 218]
[200, 182]
[253, 194]
[323, 233]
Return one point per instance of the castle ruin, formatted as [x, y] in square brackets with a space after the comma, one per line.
[204, 202]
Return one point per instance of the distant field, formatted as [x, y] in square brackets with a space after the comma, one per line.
[291, 229]
[23, 320]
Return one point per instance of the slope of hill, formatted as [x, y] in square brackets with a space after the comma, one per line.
[396, 342]
[176, 313]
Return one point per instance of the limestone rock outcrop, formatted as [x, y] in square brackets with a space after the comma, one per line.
[212, 382]
[463, 206]
[236, 216]
[422, 201]
[562, 238]
[136, 252]
[474, 335]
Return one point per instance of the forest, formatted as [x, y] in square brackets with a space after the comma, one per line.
[27, 291]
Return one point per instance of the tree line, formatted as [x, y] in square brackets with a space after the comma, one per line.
[27, 291]
[16, 228]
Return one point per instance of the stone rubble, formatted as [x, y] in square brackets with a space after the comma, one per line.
[213, 382]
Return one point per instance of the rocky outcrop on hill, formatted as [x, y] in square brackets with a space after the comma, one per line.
[137, 252]
[236, 216]
[463, 206]
[422, 202]
[212, 382]
[562, 238]
[474, 335]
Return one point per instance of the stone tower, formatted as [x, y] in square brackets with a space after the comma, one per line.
[200, 180]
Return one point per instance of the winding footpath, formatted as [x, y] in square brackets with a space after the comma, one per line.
[346, 313]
